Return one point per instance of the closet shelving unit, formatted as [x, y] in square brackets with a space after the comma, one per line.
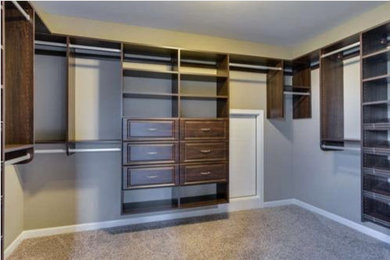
[332, 92]
[19, 81]
[179, 144]
[300, 70]
[274, 69]
[375, 66]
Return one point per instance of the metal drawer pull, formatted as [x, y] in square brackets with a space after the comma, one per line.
[205, 173]
[152, 129]
[205, 151]
[152, 153]
[152, 176]
[205, 129]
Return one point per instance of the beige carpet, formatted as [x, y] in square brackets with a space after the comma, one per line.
[274, 233]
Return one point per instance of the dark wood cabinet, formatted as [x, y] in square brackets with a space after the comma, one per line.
[201, 129]
[158, 129]
[210, 151]
[153, 176]
[375, 125]
[142, 153]
[175, 111]
[203, 173]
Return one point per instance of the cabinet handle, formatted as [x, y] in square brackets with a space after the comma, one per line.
[205, 151]
[152, 129]
[205, 129]
[152, 176]
[152, 153]
[205, 173]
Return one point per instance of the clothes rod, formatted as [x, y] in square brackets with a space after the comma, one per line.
[204, 62]
[18, 159]
[296, 93]
[54, 44]
[95, 150]
[26, 15]
[81, 150]
[259, 67]
[93, 48]
[356, 44]
[340, 148]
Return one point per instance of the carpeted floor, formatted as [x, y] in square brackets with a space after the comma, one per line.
[275, 233]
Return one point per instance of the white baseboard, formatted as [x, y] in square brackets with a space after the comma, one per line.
[358, 227]
[236, 204]
[11, 247]
[278, 203]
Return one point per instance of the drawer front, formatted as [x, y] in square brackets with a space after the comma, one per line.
[149, 153]
[143, 177]
[192, 174]
[204, 129]
[135, 129]
[193, 152]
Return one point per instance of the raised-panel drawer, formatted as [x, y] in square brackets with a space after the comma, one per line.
[137, 129]
[193, 174]
[144, 177]
[194, 152]
[140, 153]
[204, 129]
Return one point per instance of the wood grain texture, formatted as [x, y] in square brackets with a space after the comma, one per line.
[331, 98]
[275, 95]
[203, 173]
[150, 129]
[150, 176]
[192, 129]
[19, 77]
[198, 152]
[149, 153]
[301, 80]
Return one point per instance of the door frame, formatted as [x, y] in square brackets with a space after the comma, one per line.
[257, 200]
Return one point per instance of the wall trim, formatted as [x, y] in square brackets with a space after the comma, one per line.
[278, 203]
[11, 247]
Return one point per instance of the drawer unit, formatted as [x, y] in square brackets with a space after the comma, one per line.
[196, 152]
[147, 177]
[203, 173]
[377, 184]
[141, 153]
[376, 209]
[150, 129]
[191, 129]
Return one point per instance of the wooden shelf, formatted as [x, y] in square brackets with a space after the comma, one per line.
[201, 76]
[17, 147]
[385, 53]
[374, 103]
[385, 78]
[200, 201]
[144, 73]
[128, 94]
[149, 206]
[192, 96]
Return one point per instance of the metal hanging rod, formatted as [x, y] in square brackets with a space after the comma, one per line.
[340, 148]
[354, 45]
[93, 48]
[204, 62]
[18, 159]
[248, 66]
[26, 15]
[80, 150]
[296, 93]
[77, 46]
[146, 57]
[53, 44]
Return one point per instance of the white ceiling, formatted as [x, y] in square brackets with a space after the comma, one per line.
[278, 23]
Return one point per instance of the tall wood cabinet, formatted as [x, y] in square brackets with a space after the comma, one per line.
[175, 128]
[375, 83]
